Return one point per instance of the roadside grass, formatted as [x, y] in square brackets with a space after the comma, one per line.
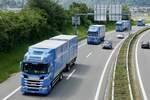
[82, 31]
[110, 26]
[9, 61]
[133, 23]
[132, 71]
[121, 91]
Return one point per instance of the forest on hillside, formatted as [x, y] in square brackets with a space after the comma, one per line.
[65, 3]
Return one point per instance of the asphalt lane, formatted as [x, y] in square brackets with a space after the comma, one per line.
[143, 56]
[83, 82]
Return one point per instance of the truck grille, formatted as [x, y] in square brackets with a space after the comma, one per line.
[34, 84]
[32, 58]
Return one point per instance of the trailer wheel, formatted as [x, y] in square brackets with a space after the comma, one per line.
[68, 68]
[74, 64]
[74, 61]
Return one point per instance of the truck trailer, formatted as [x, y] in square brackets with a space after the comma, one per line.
[43, 66]
[95, 34]
[123, 25]
[72, 46]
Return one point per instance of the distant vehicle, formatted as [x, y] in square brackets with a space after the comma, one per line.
[120, 36]
[107, 44]
[96, 34]
[44, 63]
[123, 25]
[145, 45]
[140, 22]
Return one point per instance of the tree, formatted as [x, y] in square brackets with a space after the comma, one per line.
[78, 8]
[55, 13]
[126, 12]
[16, 28]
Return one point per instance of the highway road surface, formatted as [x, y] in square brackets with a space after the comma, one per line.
[86, 81]
[143, 65]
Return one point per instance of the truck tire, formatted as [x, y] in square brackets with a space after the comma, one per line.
[74, 61]
[68, 67]
[24, 93]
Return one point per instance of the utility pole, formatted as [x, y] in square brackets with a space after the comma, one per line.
[75, 23]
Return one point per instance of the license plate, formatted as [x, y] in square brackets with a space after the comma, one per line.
[33, 78]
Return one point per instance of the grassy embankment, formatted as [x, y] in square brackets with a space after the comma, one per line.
[121, 82]
[9, 61]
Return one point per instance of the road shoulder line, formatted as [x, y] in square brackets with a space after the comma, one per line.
[104, 71]
[137, 69]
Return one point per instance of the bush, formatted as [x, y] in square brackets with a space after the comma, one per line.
[20, 27]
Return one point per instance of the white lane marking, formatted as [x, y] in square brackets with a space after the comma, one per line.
[12, 93]
[114, 73]
[138, 71]
[89, 54]
[127, 68]
[104, 71]
[71, 74]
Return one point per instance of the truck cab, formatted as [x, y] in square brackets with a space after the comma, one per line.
[95, 34]
[42, 66]
[123, 25]
[119, 26]
[140, 22]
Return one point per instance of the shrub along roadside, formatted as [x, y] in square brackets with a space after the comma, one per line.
[9, 62]
[20, 27]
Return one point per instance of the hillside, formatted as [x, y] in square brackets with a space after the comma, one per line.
[66, 3]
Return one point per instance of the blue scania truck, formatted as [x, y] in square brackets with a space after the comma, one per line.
[123, 25]
[96, 34]
[44, 63]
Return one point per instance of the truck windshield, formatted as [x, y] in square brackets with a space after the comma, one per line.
[119, 24]
[92, 34]
[35, 68]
